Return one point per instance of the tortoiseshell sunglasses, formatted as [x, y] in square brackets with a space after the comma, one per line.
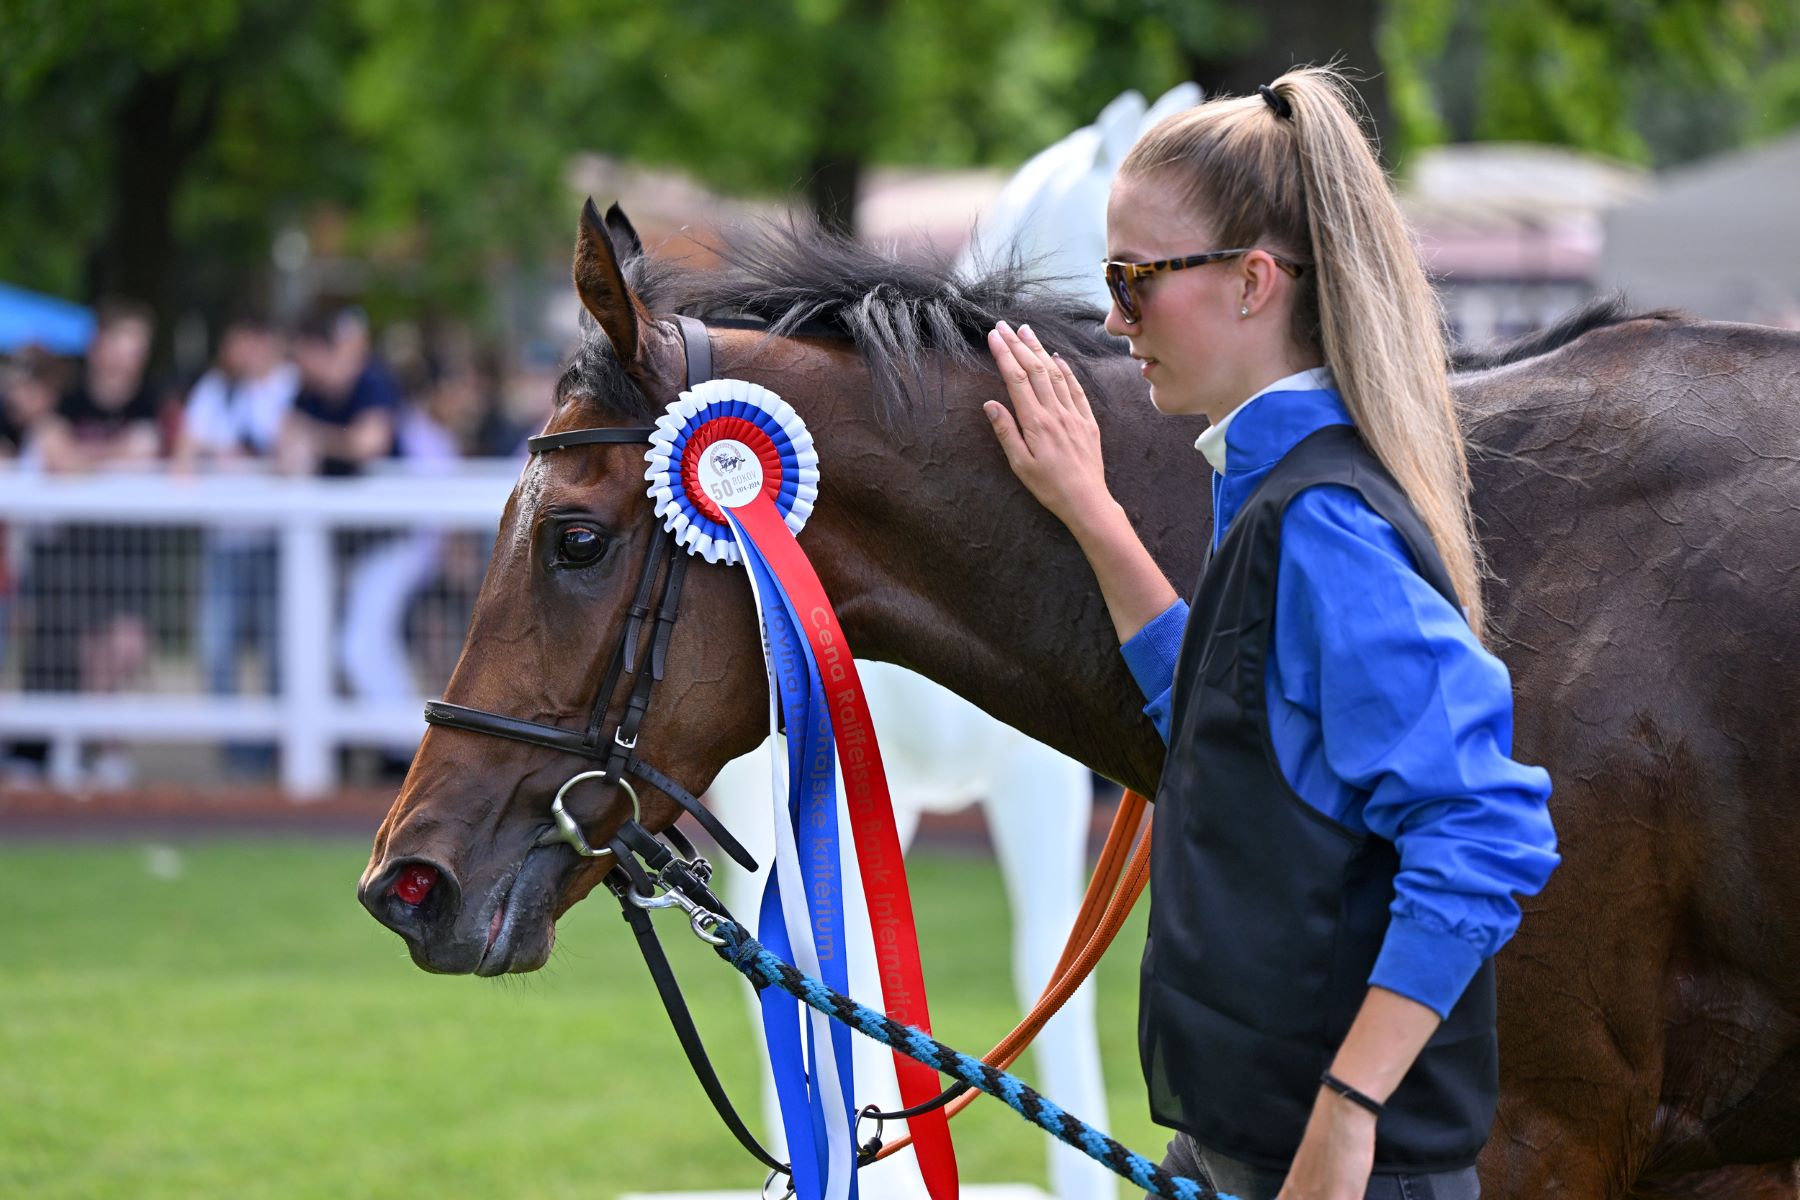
[1121, 276]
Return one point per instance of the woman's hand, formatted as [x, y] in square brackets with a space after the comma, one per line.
[1053, 445]
[1050, 437]
[1337, 1153]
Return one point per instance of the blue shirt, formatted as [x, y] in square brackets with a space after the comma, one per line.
[1386, 713]
[374, 390]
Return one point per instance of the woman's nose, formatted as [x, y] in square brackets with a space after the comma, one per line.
[1116, 324]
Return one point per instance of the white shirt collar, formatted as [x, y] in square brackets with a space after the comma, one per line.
[1212, 442]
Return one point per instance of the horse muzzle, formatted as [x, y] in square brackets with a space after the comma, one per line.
[508, 925]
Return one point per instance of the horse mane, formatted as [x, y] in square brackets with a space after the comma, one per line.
[1598, 313]
[910, 321]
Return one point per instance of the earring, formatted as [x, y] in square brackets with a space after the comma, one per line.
[1244, 311]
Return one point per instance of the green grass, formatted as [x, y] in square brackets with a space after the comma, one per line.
[223, 1020]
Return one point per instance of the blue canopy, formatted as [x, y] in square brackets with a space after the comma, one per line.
[27, 318]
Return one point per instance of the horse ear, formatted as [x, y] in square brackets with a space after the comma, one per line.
[625, 239]
[602, 287]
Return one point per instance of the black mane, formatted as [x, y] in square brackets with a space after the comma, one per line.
[1597, 313]
[911, 322]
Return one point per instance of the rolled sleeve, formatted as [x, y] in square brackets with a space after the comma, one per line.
[1416, 718]
[1150, 656]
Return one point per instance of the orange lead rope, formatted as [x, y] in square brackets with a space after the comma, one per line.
[1103, 911]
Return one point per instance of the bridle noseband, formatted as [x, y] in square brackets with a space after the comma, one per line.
[615, 750]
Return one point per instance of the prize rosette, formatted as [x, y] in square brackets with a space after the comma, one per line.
[734, 475]
[721, 445]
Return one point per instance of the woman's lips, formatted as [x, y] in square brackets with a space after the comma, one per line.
[1146, 365]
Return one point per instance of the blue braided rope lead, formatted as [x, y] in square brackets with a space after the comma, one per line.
[760, 966]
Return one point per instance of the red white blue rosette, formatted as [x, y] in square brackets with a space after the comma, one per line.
[722, 444]
[734, 475]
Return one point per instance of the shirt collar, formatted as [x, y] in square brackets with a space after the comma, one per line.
[1213, 443]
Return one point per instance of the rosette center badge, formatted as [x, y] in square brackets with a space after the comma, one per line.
[730, 473]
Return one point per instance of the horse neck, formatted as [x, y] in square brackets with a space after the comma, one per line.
[937, 559]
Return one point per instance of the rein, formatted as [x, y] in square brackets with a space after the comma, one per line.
[1104, 908]
[644, 862]
[735, 945]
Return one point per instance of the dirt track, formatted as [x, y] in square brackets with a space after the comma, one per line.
[170, 811]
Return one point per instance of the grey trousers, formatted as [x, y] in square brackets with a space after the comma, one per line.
[1233, 1178]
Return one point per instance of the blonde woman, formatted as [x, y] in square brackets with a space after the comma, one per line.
[1340, 827]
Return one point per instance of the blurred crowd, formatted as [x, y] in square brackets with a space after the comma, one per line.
[319, 398]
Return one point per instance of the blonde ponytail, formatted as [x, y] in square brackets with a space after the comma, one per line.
[1308, 185]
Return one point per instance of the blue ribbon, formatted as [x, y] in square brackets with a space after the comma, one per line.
[812, 806]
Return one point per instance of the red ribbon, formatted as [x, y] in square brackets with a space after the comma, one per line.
[878, 853]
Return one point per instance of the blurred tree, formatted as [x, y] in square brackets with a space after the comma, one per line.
[1657, 83]
[1236, 45]
[154, 147]
[133, 126]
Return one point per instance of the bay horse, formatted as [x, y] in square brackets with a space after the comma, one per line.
[1639, 501]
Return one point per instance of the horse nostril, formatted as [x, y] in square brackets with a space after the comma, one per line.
[415, 883]
[412, 896]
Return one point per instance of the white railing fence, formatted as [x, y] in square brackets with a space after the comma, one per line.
[347, 572]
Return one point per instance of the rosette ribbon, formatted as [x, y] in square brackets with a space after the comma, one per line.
[734, 475]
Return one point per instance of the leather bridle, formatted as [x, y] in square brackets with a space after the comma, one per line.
[642, 863]
[647, 872]
[616, 749]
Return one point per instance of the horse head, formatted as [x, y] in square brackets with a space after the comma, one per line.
[460, 867]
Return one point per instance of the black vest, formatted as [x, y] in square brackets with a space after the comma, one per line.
[1266, 916]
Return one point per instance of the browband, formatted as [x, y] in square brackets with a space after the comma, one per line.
[589, 437]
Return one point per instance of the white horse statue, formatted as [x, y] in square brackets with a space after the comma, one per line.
[943, 754]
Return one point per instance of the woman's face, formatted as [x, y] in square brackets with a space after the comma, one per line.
[1200, 354]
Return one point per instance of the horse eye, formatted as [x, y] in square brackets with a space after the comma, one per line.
[580, 544]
